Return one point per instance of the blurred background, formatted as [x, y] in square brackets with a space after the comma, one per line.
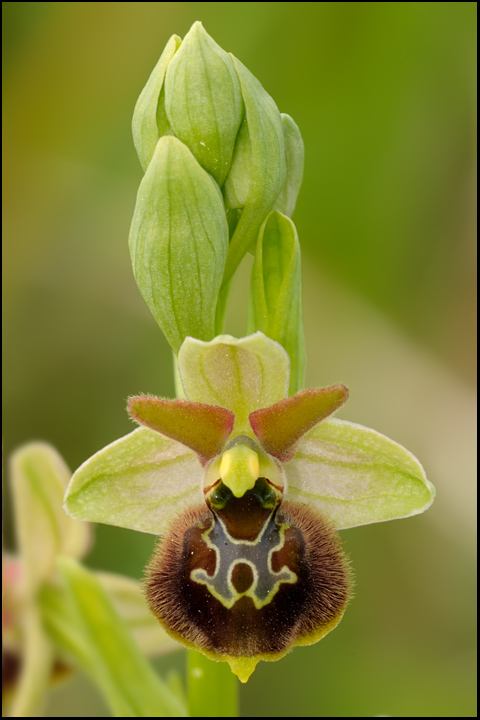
[384, 94]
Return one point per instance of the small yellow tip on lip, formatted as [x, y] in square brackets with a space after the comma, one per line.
[243, 667]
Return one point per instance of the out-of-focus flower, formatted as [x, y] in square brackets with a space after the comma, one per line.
[47, 625]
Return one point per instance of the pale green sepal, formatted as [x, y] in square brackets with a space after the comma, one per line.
[37, 661]
[275, 304]
[140, 481]
[39, 478]
[87, 629]
[356, 476]
[294, 155]
[129, 601]
[203, 101]
[178, 243]
[241, 375]
[149, 119]
[258, 166]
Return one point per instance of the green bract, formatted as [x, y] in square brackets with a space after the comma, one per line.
[275, 305]
[155, 481]
[179, 242]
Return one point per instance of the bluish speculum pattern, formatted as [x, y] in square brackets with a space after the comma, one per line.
[231, 580]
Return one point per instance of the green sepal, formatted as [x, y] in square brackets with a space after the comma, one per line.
[203, 101]
[355, 476]
[82, 621]
[203, 428]
[140, 482]
[258, 167]
[178, 243]
[294, 155]
[149, 121]
[39, 477]
[275, 303]
[240, 375]
[280, 426]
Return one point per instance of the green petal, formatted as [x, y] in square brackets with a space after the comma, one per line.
[39, 477]
[129, 601]
[280, 426]
[356, 476]
[139, 482]
[203, 428]
[149, 119]
[240, 375]
[83, 623]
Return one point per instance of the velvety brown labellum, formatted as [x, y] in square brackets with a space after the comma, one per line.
[245, 581]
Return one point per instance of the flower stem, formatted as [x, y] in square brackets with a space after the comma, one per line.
[212, 687]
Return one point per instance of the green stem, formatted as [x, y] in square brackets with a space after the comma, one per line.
[212, 687]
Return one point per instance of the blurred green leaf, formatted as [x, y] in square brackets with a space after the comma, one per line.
[84, 624]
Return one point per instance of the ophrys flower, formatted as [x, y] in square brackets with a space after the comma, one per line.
[246, 487]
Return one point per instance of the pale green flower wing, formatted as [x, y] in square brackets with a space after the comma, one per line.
[241, 375]
[140, 481]
[355, 476]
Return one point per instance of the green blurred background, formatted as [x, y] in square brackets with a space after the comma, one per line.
[384, 94]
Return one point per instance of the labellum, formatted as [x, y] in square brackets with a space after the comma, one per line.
[247, 578]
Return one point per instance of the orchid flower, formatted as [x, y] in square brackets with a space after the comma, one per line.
[246, 488]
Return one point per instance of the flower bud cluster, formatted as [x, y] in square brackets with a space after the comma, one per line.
[218, 158]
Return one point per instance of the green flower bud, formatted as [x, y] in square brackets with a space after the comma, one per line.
[203, 101]
[275, 305]
[149, 119]
[294, 155]
[258, 167]
[178, 243]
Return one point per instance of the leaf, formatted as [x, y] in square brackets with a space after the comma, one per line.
[356, 476]
[129, 601]
[85, 626]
